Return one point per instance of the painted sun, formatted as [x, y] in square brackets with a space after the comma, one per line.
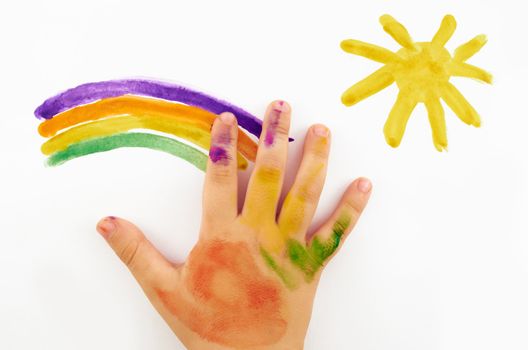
[421, 71]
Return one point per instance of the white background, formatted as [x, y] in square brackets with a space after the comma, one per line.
[438, 261]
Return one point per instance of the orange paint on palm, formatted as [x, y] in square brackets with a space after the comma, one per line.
[228, 300]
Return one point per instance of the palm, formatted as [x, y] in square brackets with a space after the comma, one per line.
[227, 294]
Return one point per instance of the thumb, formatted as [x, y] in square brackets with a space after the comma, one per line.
[148, 266]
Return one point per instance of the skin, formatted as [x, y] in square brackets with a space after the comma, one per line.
[250, 281]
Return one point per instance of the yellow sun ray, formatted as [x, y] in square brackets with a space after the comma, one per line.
[445, 32]
[373, 52]
[436, 119]
[397, 121]
[422, 71]
[372, 84]
[467, 50]
[462, 108]
[397, 31]
[461, 69]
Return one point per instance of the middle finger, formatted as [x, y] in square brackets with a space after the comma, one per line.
[266, 181]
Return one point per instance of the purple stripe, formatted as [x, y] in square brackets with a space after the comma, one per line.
[91, 92]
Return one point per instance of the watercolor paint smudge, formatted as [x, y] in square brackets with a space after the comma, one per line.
[286, 277]
[307, 258]
[271, 129]
[311, 258]
[219, 155]
[227, 299]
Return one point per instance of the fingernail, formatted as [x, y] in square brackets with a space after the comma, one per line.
[281, 106]
[364, 185]
[107, 226]
[321, 130]
[227, 118]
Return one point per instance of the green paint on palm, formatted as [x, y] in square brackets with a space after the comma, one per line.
[308, 259]
[284, 275]
[107, 143]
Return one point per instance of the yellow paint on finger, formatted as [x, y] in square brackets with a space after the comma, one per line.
[261, 206]
[268, 176]
[263, 194]
[293, 213]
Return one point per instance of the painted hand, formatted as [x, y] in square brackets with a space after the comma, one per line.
[250, 281]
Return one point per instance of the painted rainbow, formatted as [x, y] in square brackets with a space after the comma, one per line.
[102, 116]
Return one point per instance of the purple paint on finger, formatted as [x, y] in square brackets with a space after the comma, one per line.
[270, 137]
[218, 155]
[271, 130]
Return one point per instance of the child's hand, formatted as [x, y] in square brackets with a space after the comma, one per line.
[250, 280]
